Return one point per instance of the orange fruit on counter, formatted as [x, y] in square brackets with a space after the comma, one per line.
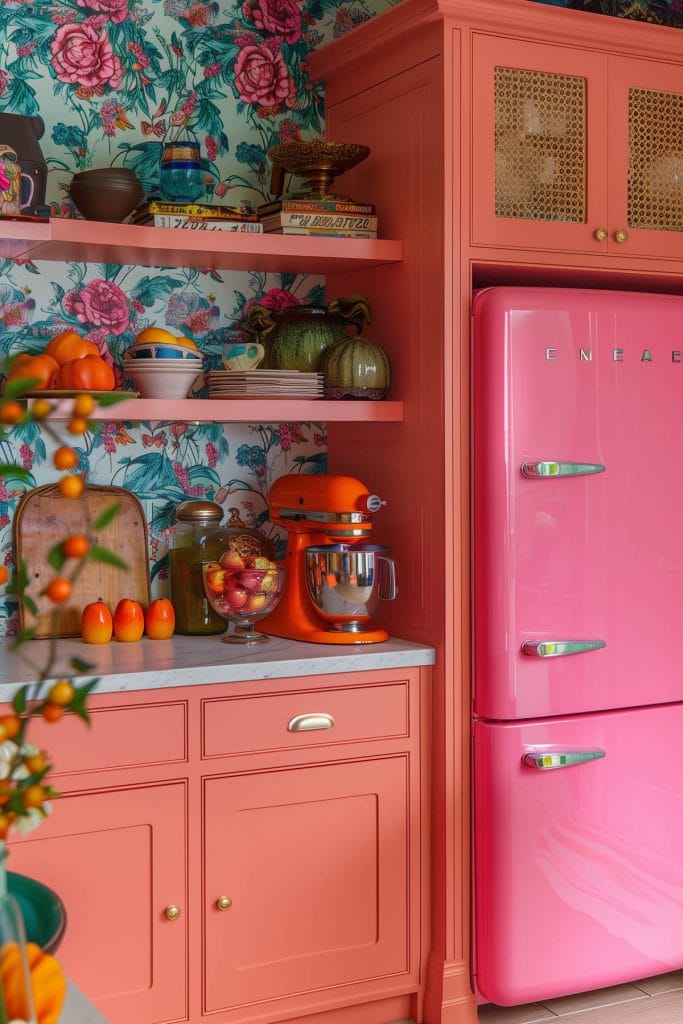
[155, 334]
[68, 345]
[89, 373]
[42, 368]
[160, 619]
[129, 620]
[97, 624]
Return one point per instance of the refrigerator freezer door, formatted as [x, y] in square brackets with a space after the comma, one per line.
[578, 499]
[578, 870]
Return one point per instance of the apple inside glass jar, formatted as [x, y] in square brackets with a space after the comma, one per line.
[242, 589]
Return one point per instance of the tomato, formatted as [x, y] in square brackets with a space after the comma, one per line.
[129, 620]
[42, 368]
[160, 619]
[90, 373]
[68, 345]
[97, 624]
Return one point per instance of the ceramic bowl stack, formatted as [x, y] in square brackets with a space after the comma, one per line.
[162, 370]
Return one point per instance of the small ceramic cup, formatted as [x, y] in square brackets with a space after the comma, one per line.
[242, 355]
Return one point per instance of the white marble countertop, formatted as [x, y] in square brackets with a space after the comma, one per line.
[196, 661]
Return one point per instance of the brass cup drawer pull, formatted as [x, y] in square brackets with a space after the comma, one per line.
[223, 903]
[172, 913]
[313, 720]
[601, 234]
[621, 236]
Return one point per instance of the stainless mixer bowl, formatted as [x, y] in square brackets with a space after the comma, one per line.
[345, 583]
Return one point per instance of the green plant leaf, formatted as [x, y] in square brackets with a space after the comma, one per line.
[99, 554]
[112, 398]
[7, 468]
[30, 604]
[26, 634]
[106, 516]
[19, 386]
[84, 690]
[19, 700]
[56, 558]
[81, 666]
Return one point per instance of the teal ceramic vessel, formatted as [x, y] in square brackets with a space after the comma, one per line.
[43, 911]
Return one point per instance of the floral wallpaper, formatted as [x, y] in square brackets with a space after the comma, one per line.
[657, 12]
[113, 80]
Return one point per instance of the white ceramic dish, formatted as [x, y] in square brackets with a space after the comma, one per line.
[167, 381]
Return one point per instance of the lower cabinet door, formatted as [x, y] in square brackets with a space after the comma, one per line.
[117, 860]
[307, 880]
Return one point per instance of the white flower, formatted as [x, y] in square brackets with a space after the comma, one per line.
[29, 821]
[8, 751]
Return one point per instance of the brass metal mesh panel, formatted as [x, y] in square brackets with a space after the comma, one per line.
[540, 135]
[655, 160]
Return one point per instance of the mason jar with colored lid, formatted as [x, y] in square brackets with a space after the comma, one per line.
[193, 613]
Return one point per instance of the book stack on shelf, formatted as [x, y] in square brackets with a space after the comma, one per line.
[307, 215]
[198, 216]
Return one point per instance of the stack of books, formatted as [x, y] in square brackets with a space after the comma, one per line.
[340, 218]
[197, 216]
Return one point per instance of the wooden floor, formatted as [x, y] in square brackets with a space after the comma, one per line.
[656, 1000]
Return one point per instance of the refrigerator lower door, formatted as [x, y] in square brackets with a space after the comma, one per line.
[578, 857]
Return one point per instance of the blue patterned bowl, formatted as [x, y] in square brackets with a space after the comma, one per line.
[162, 350]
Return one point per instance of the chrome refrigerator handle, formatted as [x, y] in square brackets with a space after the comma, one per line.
[545, 761]
[537, 470]
[559, 648]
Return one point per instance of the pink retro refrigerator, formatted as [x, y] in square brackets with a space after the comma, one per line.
[578, 639]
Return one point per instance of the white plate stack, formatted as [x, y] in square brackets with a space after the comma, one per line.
[264, 383]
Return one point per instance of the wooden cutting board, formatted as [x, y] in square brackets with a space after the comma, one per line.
[44, 518]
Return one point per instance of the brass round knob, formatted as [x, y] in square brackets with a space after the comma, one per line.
[172, 913]
[621, 236]
[600, 234]
[223, 903]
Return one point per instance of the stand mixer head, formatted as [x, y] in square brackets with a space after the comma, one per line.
[317, 510]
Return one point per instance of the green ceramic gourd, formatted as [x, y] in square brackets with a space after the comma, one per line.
[295, 338]
[356, 368]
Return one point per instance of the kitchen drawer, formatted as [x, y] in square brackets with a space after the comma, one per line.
[120, 737]
[288, 721]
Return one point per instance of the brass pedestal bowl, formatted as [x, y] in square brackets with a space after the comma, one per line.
[318, 162]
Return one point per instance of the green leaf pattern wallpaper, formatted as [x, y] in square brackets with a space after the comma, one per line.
[113, 80]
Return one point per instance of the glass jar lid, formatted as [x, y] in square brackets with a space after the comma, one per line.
[199, 512]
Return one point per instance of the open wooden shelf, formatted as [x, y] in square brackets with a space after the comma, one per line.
[66, 240]
[236, 410]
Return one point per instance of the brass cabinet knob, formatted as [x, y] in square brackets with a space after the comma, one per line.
[621, 236]
[172, 913]
[223, 903]
[600, 234]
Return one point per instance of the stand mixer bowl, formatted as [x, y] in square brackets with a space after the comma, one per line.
[346, 582]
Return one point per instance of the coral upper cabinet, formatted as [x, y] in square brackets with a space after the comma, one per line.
[554, 171]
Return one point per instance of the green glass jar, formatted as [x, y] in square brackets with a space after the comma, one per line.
[194, 615]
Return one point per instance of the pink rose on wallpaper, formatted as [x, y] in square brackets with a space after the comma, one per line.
[101, 304]
[116, 10]
[261, 76]
[82, 54]
[281, 17]
[275, 299]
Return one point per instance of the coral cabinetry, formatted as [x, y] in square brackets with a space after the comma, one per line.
[576, 150]
[249, 851]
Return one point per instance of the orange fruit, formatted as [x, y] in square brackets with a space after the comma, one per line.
[155, 334]
[59, 590]
[34, 796]
[36, 763]
[62, 693]
[68, 345]
[185, 342]
[77, 425]
[10, 412]
[76, 546]
[129, 620]
[71, 486]
[160, 619]
[65, 458]
[9, 726]
[42, 368]
[96, 623]
[40, 409]
[83, 405]
[52, 712]
[4, 574]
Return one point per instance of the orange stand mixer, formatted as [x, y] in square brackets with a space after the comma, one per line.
[327, 515]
